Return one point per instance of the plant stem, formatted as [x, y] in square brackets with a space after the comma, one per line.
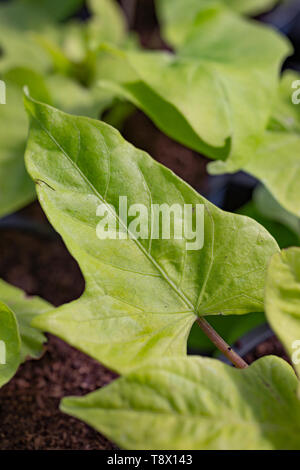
[236, 360]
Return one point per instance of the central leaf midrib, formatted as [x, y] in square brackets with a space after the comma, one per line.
[132, 237]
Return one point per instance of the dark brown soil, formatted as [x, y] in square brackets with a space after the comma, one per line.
[272, 346]
[39, 266]
[189, 165]
[29, 415]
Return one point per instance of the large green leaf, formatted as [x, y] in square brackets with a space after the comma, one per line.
[283, 301]
[10, 344]
[142, 295]
[26, 308]
[196, 403]
[178, 16]
[215, 94]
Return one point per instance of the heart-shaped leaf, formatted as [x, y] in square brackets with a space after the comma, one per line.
[196, 403]
[26, 308]
[142, 294]
[10, 344]
[283, 301]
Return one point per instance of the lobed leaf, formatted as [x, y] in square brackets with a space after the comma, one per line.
[282, 301]
[195, 403]
[142, 295]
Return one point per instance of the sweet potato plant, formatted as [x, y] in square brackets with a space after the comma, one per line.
[220, 93]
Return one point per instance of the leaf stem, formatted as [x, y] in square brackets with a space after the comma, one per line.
[219, 342]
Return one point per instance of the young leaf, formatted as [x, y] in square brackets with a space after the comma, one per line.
[196, 403]
[215, 94]
[10, 344]
[282, 301]
[142, 295]
[26, 309]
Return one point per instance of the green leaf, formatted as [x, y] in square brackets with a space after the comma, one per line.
[107, 24]
[283, 226]
[276, 159]
[20, 49]
[215, 94]
[53, 9]
[9, 344]
[196, 403]
[142, 295]
[178, 16]
[26, 309]
[251, 7]
[26, 14]
[282, 301]
[286, 115]
[270, 208]
[17, 189]
[77, 99]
